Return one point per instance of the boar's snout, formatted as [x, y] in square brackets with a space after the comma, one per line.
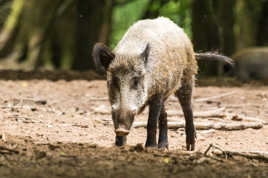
[123, 120]
[121, 132]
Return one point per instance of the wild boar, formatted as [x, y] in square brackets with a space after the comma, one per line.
[251, 63]
[153, 60]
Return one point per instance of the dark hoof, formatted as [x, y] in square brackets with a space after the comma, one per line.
[150, 145]
[120, 140]
[163, 146]
[190, 146]
[190, 142]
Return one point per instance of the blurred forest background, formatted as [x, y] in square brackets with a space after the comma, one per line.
[60, 34]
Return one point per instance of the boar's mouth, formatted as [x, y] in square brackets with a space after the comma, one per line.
[121, 132]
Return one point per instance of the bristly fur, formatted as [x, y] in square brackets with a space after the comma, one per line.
[154, 59]
[171, 54]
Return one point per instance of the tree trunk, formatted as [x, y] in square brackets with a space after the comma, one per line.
[27, 29]
[262, 39]
[225, 18]
[11, 27]
[5, 8]
[93, 24]
[106, 26]
[247, 15]
[205, 33]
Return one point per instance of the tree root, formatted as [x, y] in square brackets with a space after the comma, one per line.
[4, 150]
[260, 155]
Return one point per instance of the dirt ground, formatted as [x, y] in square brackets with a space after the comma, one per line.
[59, 125]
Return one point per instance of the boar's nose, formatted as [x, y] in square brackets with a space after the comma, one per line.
[121, 132]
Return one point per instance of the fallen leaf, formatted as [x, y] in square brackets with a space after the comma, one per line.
[166, 160]
[24, 84]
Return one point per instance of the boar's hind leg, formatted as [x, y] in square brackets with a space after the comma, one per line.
[184, 95]
[120, 140]
[163, 129]
[155, 107]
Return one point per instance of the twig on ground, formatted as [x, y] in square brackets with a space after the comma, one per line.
[98, 99]
[215, 97]
[215, 147]
[250, 154]
[174, 99]
[205, 114]
[247, 154]
[4, 150]
[207, 150]
[209, 125]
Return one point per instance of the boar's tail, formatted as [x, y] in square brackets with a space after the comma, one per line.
[214, 57]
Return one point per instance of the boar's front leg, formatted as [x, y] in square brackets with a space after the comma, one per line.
[163, 129]
[155, 107]
[184, 95]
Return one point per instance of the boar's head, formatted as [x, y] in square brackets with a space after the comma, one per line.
[127, 84]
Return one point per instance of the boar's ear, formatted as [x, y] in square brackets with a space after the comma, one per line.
[145, 53]
[102, 56]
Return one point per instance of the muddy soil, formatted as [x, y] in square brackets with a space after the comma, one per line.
[59, 125]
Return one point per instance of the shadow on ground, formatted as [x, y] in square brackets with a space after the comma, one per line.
[20, 157]
[68, 75]
[49, 75]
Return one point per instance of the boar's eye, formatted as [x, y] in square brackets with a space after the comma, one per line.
[135, 82]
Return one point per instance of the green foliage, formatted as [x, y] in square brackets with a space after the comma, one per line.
[4, 12]
[16, 11]
[125, 15]
[51, 29]
[179, 12]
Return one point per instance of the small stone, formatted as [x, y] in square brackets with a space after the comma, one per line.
[201, 138]
[33, 109]
[41, 102]
[237, 118]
